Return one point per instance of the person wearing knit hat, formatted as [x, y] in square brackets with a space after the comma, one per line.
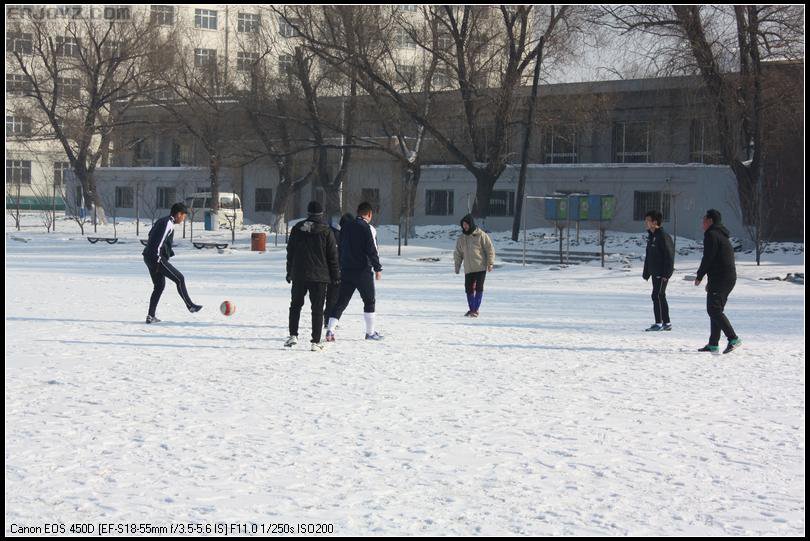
[312, 264]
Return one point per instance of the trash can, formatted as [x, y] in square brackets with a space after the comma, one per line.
[211, 220]
[258, 242]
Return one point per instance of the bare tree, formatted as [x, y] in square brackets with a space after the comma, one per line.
[73, 207]
[44, 203]
[485, 50]
[80, 75]
[13, 194]
[273, 102]
[728, 47]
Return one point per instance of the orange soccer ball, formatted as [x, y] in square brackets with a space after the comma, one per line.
[227, 308]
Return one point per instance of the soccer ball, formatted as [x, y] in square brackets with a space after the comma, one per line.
[227, 308]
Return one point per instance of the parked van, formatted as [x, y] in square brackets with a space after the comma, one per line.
[230, 208]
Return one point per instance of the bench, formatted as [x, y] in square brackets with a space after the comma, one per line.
[219, 245]
[108, 240]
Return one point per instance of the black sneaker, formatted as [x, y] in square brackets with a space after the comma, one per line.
[710, 349]
[194, 308]
[468, 314]
[654, 328]
[151, 319]
[733, 344]
[667, 327]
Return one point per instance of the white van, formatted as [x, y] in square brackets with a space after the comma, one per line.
[230, 207]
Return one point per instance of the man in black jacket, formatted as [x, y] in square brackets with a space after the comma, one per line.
[156, 255]
[312, 264]
[659, 264]
[333, 290]
[718, 264]
[358, 256]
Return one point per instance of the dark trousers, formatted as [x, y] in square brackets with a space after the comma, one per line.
[349, 282]
[332, 294]
[317, 295]
[659, 299]
[474, 282]
[159, 271]
[716, 298]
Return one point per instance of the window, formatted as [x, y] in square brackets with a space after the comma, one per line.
[229, 202]
[246, 61]
[264, 200]
[285, 64]
[704, 145]
[124, 197]
[441, 79]
[371, 195]
[404, 40]
[18, 84]
[410, 8]
[406, 73]
[142, 149]
[166, 197]
[205, 18]
[248, 22]
[631, 142]
[18, 172]
[644, 202]
[286, 29]
[67, 87]
[446, 44]
[163, 15]
[19, 42]
[112, 49]
[59, 170]
[439, 202]
[204, 57]
[67, 46]
[502, 203]
[17, 126]
[560, 144]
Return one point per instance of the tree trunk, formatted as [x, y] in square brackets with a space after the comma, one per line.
[483, 193]
[213, 176]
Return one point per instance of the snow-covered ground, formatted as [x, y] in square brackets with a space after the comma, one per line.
[553, 413]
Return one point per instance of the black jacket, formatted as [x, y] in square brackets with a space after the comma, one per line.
[358, 250]
[312, 254]
[718, 256]
[660, 260]
[159, 245]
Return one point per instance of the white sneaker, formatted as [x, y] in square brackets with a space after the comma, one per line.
[317, 346]
[291, 341]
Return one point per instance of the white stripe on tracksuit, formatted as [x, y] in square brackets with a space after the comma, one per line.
[169, 226]
[178, 281]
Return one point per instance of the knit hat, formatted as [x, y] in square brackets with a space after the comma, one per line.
[314, 208]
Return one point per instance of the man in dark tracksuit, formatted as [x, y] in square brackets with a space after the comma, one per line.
[156, 256]
[358, 256]
[312, 264]
[333, 290]
[718, 264]
[659, 264]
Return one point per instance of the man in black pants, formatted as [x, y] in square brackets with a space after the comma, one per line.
[312, 264]
[333, 290]
[659, 264]
[358, 256]
[156, 256]
[718, 264]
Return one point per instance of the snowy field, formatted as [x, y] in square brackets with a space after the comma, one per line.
[553, 413]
